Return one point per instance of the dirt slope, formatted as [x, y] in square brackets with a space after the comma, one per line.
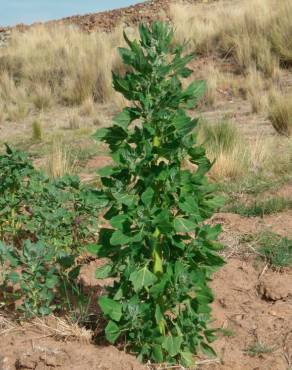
[106, 21]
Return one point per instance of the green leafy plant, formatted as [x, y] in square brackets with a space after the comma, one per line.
[44, 226]
[61, 212]
[161, 252]
[35, 277]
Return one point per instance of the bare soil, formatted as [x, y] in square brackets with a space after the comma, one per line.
[252, 306]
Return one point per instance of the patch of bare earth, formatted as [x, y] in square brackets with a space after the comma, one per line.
[32, 348]
[280, 223]
[252, 308]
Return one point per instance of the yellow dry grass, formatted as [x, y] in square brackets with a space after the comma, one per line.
[58, 64]
[280, 112]
[252, 32]
[60, 161]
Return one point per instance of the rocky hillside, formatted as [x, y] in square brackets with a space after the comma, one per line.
[106, 21]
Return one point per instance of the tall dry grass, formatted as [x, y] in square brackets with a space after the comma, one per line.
[60, 161]
[252, 32]
[60, 64]
[233, 155]
[280, 112]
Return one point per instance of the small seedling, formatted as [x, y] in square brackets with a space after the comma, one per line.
[258, 349]
[226, 332]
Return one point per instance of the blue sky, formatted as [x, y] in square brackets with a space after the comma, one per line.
[29, 11]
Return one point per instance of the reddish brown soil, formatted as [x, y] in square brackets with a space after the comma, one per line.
[250, 306]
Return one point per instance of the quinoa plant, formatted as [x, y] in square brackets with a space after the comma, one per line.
[161, 253]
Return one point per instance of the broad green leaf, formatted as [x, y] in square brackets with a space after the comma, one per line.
[93, 248]
[118, 221]
[112, 332]
[157, 353]
[103, 272]
[118, 238]
[187, 358]
[111, 308]
[209, 351]
[147, 196]
[210, 335]
[106, 171]
[142, 278]
[13, 277]
[183, 225]
[52, 281]
[126, 199]
[123, 119]
[172, 345]
[100, 134]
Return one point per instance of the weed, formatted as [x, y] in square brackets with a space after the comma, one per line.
[226, 332]
[226, 147]
[261, 207]
[37, 132]
[276, 249]
[257, 349]
[159, 305]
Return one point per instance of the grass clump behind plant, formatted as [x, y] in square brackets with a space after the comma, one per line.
[226, 147]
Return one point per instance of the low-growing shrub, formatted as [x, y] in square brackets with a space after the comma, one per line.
[34, 280]
[60, 213]
[161, 253]
[44, 226]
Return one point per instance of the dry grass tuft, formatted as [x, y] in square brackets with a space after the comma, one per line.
[37, 131]
[60, 161]
[234, 156]
[6, 325]
[63, 329]
[280, 113]
[74, 120]
[255, 90]
[87, 108]
[42, 97]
